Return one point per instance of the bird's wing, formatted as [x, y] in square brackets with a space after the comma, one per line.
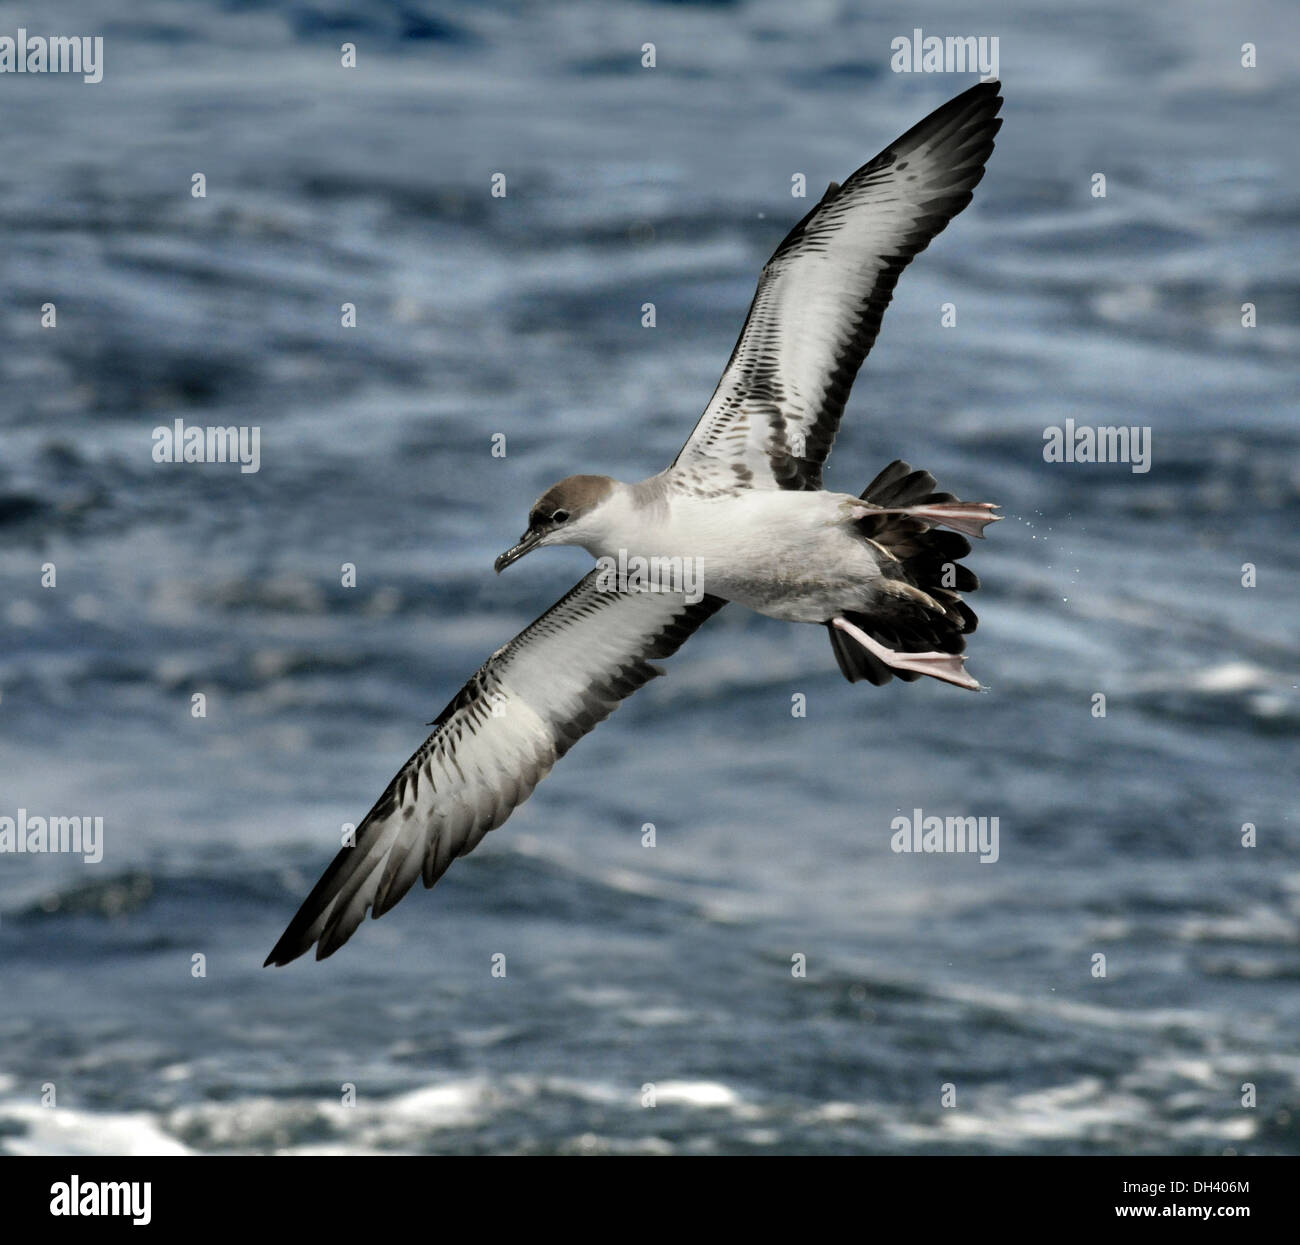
[522, 711]
[774, 415]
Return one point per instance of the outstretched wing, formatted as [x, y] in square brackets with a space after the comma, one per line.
[523, 710]
[777, 408]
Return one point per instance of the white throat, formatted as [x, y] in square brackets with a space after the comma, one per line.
[621, 521]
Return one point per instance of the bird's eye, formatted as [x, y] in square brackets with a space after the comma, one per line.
[560, 516]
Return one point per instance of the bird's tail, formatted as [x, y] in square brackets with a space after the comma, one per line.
[922, 609]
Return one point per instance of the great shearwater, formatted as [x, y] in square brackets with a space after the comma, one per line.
[744, 503]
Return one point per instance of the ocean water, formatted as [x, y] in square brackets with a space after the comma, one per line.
[926, 979]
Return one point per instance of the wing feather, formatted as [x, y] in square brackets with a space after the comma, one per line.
[820, 300]
[500, 736]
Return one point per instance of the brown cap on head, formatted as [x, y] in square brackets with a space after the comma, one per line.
[573, 496]
[560, 504]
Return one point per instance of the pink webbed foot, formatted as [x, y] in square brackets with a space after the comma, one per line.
[947, 667]
[970, 518]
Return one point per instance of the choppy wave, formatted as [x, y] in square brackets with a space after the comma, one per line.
[1121, 835]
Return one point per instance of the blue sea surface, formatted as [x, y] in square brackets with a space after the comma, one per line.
[771, 976]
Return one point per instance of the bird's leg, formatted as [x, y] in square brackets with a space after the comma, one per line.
[968, 517]
[949, 667]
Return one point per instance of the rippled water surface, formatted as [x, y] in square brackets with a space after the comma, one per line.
[1120, 836]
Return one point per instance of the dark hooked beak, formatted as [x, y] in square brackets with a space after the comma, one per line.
[527, 543]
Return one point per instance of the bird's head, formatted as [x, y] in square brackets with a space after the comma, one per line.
[566, 514]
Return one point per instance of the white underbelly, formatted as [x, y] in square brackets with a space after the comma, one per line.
[788, 555]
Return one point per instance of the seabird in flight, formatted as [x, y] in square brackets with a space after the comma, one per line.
[744, 503]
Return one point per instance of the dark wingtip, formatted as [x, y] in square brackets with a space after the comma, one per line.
[323, 952]
[284, 952]
[980, 103]
[980, 90]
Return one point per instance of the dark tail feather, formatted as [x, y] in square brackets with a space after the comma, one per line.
[899, 485]
[926, 566]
